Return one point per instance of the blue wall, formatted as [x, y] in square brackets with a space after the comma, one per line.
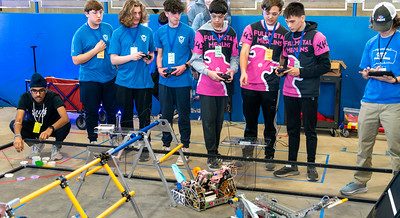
[52, 33]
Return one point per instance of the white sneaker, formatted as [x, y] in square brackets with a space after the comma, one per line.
[167, 149]
[36, 150]
[55, 153]
[179, 161]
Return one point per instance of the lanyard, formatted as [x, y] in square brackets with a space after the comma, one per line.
[171, 44]
[271, 37]
[134, 35]
[379, 47]
[219, 40]
[39, 116]
[297, 53]
[94, 32]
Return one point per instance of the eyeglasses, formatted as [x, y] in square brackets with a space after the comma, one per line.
[93, 12]
[274, 14]
[36, 91]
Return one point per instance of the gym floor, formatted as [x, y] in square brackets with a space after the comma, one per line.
[151, 196]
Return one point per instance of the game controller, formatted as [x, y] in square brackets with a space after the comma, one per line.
[226, 77]
[168, 71]
[147, 56]
[281, 70]
[381, 73]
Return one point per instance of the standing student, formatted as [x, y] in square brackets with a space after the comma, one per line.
[132, 50]
[174, 43]
[89, 50]
[215, 56]
[262, 44]
[306, 54]
[381, 101]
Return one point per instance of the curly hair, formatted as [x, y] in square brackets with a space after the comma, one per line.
[173, 6]
[126, 16]
[396, 22]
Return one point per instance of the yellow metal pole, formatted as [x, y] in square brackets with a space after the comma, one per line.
[114, 178]
[115, 206]
[167, 155]
[37, 193]
[83, 168]
[54, 184]
[75, 202]
[94, 170]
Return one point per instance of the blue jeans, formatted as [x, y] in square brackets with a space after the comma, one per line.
[179, 98]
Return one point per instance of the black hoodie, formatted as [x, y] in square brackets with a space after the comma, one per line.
[313, 57]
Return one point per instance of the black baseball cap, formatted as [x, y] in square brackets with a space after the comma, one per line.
[382, 16]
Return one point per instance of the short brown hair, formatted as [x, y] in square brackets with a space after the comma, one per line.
[125, 15]
[268, 4]
[93, 5]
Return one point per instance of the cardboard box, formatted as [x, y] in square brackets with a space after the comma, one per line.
[336, 68]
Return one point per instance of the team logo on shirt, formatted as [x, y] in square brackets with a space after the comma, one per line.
[144, 38]
[105, 37]
[181, 39]
[389, 57]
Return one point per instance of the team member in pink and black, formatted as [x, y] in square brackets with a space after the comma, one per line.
[215, 53]
[306, 55]
[262, 44]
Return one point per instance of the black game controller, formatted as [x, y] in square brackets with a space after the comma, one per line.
[381, 73]
[168, 71]
[281, 70]
[148, 56]
[226, 77]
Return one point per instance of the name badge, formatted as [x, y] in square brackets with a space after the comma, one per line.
[134, 50]
[171, 58]
[36, 127]
[297, 64]
[218, 51]
[100, 55]
[268, 54]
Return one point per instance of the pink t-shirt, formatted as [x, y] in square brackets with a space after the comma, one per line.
[205, 44]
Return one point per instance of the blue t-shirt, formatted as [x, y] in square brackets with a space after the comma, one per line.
[133, 74]
[377, 91]
[84, 40]
[182, 41]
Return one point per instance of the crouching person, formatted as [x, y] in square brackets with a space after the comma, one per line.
[40, 114]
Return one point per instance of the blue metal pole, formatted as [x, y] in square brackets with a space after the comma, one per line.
[105, 4]
[354, 9]
[36, 7]
[134, 139]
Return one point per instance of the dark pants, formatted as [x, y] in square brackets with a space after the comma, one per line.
[27, 131]
[92, 95]
[252, 101]
[309, 109]
[179, 98]
[212, 118]
[142, 99]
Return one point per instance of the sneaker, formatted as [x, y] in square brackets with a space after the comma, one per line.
[312, 174]
[269, 166]
[179, 162]
[287, 170]
[55, 153]
[166, 149]
[213, 163]
[36, 150]
[354, 188]
[144, 157]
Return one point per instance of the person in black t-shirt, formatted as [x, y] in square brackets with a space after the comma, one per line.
[40, 114]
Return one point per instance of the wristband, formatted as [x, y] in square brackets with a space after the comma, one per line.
[396, 80]
[187, 65]
[52, 128]
[17, 135]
